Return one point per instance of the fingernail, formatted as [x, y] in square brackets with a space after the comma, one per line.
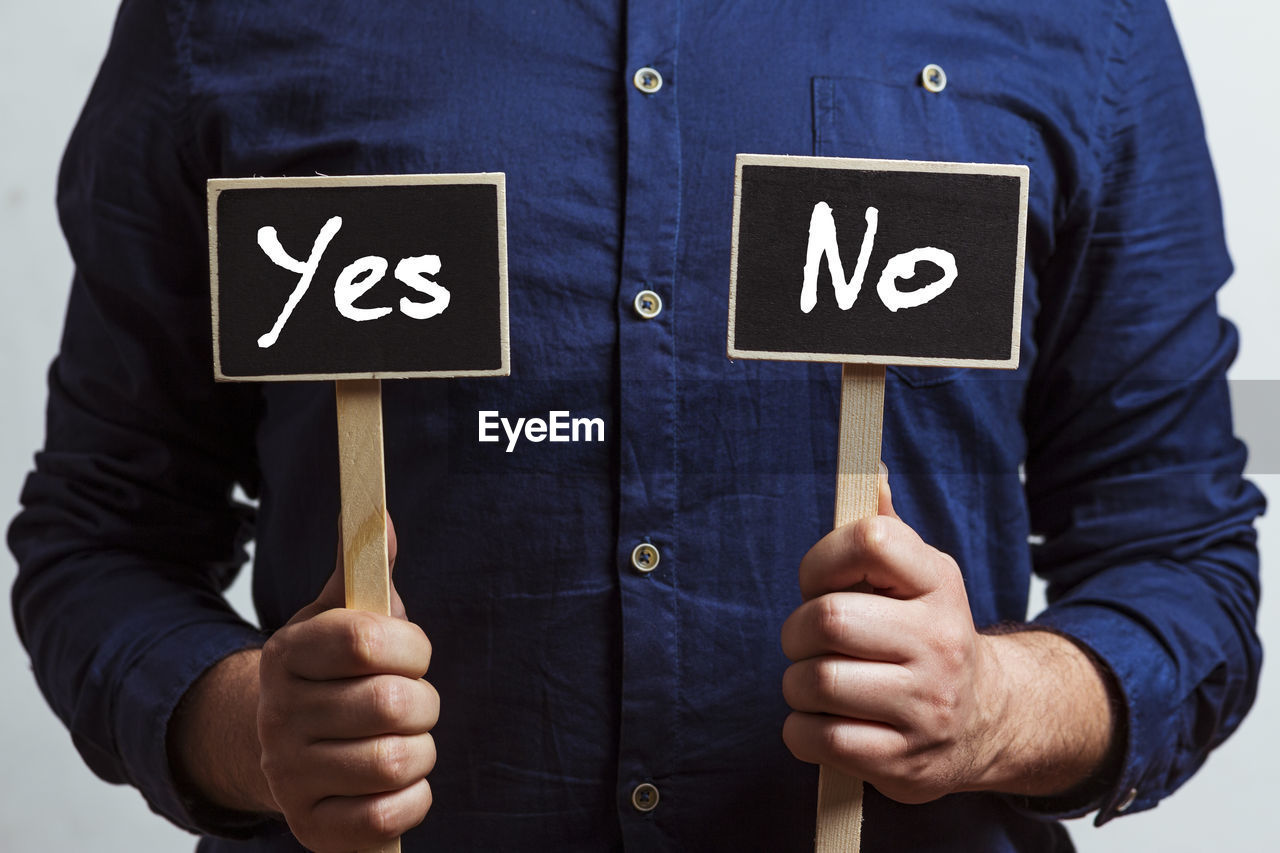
[884, 469]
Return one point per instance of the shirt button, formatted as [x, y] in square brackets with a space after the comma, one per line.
[644, 797]
[647, 80]
[644, 559]
[933, 78]
[648, 304]
[1129, 797]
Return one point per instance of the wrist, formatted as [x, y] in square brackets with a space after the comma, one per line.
[995, 727]
[214, 751]
[1047, 722]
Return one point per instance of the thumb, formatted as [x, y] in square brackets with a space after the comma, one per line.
[397, 605]
[334, 593]
[886, 495]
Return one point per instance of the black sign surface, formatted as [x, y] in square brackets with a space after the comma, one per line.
[377, 277]
[877, 261]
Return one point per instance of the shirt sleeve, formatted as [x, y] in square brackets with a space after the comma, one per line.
[128, 533]
[1134, 476]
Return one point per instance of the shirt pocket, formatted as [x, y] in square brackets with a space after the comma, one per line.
[866, 117]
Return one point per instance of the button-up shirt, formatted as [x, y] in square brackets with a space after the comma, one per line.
[605, 613]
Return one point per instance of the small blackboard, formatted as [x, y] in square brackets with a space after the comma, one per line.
[379, 277]
[877, 261]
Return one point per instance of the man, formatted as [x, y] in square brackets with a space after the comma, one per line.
[590, 700]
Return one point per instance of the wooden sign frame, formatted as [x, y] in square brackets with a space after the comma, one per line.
[1022, 173]
[217, 186]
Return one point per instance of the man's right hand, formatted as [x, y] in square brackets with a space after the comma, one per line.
[329, 724]
[344, 721]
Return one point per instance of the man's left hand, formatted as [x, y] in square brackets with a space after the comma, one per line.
[893, 684]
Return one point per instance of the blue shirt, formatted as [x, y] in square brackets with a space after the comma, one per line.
[1106, 462]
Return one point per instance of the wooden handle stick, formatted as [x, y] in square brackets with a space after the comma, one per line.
[364, 505]
[857, 496]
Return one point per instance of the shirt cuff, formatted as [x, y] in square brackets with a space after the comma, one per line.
[148, 696]
[1146, 681]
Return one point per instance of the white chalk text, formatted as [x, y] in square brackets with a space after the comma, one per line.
[354, 281]
[822, 241]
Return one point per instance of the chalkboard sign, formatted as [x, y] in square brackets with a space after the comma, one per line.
[359, 277]
[877, 261]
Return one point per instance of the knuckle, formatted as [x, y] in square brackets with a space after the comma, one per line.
[806, 738]
[364, 638]
[272, 717]
[933, 716]
[952, 652]
[392, 759]
[825, 678]
[947, 699]
[380, 819]
[829, 618]
[390, 699]
[275, 713]
[955, 656]
[833, 740]
[277, 652]
[943, 714]
[871, 535]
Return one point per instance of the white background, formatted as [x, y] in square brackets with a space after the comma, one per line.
[49, 53]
